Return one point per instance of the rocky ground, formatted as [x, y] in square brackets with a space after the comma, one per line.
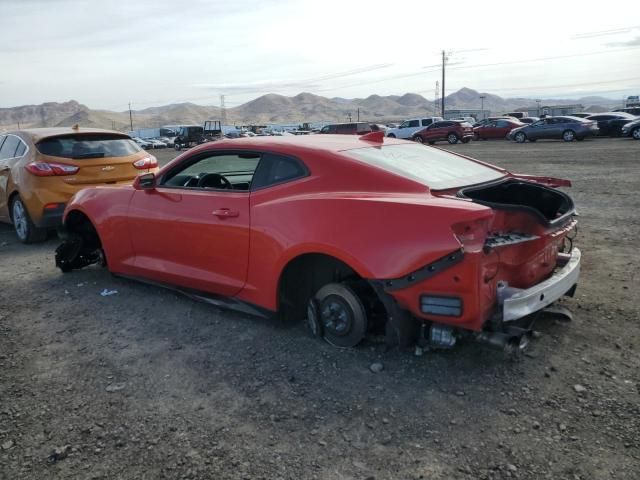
[147, 384]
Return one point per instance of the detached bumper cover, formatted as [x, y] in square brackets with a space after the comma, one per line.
[521, 303]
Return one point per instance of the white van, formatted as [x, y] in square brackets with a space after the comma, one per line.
[411, 126]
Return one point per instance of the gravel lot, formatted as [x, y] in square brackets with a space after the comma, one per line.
[147, 384]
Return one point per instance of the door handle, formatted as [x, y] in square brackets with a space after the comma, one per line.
[226, 213]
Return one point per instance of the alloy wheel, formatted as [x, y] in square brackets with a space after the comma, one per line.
[20, 222]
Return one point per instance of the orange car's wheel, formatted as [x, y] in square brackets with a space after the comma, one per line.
[342, 316]
[25, 229]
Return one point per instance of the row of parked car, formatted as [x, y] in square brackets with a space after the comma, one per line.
[154, 143]
[566, 127]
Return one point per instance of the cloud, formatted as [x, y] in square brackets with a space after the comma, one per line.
[634, 42]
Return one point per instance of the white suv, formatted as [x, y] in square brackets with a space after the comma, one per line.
[411, 126]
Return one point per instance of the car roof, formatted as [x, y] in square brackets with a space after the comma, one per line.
[38, 134]
[298, 143]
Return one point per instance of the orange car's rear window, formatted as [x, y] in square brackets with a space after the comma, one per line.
[88, 146]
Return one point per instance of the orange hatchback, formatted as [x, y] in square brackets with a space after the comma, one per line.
[41, 169]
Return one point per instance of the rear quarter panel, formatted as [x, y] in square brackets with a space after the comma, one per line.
[379, 235]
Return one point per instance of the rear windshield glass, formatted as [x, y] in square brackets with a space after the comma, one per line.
[430, 166]
[88, 146]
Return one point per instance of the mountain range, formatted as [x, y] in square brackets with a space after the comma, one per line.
[273, 108]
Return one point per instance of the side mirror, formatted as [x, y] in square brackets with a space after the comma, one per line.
[146, 181]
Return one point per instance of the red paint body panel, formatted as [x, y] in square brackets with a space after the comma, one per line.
[382, 225]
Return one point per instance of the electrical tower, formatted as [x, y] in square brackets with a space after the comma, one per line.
[436, 100]
[223, 111]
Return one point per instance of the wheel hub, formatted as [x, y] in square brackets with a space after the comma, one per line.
[336, 317]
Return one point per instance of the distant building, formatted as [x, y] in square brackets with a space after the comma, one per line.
[466, 112]
[553, 110]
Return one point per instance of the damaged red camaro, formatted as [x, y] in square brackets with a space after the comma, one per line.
[355, 234]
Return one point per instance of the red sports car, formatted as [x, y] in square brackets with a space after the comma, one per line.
[355, 234]
[496, 129]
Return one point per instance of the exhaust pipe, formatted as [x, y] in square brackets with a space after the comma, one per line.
[513, 341]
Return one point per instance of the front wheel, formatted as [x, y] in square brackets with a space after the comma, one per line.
[342, 317]
[569, 135]
[391, 135]
[466, 140]
[177, 147]
[635, 133]
[520, 137]
[452, 138]
[418, 139]
[25, 229]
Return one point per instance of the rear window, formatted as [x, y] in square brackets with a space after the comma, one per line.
[88, 146]
[432, 167]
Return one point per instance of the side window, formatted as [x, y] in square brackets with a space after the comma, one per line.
[2, 139]
[220, 171]
[275, 169]
[325, 129]
[346, 128]
[22, 147]
[414, 123]
[9, 147]
[426, 122]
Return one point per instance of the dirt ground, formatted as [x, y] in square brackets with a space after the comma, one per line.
[147, 384]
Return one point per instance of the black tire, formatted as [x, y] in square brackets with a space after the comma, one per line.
[177, 147]
[342, 315]
[635, 133]
[391, 135]
[568, 135]
[418, 139]
[452, 138]
[520, 137]
[579, 139]
[466, 140]
[24, 227]
[431, 142]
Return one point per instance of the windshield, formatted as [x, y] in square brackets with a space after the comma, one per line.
[88, 146]
[437, 169]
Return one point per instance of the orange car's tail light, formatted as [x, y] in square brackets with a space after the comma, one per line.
[49, 169]
[146, 163]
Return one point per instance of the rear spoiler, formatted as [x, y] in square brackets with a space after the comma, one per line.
[548, 181]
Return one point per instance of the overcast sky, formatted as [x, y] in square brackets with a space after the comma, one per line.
[153, 52]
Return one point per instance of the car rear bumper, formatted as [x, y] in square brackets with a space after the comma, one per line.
[518, 303]
[51, 217]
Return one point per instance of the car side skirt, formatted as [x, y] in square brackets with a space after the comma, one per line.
[228, 303]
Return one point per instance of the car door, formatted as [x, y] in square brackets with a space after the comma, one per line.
[4, 180]
[412, 127]
[192, 229]
[12, 149]
[539, 129]
[489, 130]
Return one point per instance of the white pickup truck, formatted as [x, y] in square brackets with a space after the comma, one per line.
[411, 126]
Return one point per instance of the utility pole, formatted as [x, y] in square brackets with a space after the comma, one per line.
[223, 111]
[358, 114]
[482, 97]
[538, 102]
[349, 115]
[444, 61]
[436, 100]
[130, 117]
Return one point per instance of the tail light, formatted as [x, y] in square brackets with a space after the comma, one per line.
[146, 163]
[50, 169]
